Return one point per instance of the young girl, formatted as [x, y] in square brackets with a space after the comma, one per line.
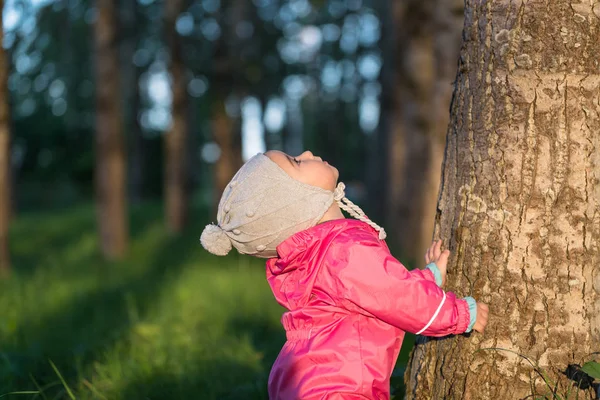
[349, 300]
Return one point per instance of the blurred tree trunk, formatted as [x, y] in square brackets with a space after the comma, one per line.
[425, 37]
[378, 165]
[71, 72]
[176, 140]
[131, 103]
[230, 159]
[294, 138]
[520, 203]
[5, 167]
[448, 19]
[228, 81]
[138, 143]
[110, 149]
[270, 143]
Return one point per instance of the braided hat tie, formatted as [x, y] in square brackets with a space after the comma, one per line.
[339, 195]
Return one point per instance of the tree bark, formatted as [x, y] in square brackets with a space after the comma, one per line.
[520, 202]
[5, 167]
[110, 149]
[427, 42]
[176, 177]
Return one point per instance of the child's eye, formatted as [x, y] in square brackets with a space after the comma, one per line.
[297, 161]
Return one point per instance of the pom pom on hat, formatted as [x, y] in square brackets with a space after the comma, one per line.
[215, 240]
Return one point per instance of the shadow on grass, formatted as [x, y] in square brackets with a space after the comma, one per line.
[79, 332]
[223, 381]
[267, 337]
[60, 231]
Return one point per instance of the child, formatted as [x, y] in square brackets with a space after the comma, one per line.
[349, 300]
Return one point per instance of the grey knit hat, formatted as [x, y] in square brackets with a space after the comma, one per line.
[262, 206]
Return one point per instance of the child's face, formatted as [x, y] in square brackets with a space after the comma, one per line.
[307, 168]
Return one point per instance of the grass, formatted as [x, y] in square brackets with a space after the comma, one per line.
[168, 322]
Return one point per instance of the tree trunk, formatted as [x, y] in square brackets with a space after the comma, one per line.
[176, 139]
[66, 57]
[294, 141]
[520, 202]
[131, 101]
[379, 165]
[410, 129]
[5, 185]
[138, 143]
[427, 42]
[230, 159]
[110, 151]
[228, 77]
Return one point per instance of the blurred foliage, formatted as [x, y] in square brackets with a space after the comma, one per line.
[320, 59]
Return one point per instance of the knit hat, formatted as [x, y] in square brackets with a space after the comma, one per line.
[262, 206]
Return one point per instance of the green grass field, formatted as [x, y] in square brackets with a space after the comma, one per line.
[168, 322]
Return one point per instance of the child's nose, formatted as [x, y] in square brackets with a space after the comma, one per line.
[307, 154]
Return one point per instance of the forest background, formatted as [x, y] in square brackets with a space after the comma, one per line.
[122, 121]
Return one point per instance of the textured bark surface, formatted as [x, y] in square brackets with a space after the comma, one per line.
[110, 151]
[520, 200]
[176, 177]
[426, 48]
[5, 185]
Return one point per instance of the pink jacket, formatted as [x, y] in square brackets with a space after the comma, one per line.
[349, 304]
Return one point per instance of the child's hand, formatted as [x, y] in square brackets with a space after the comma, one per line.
[482, 317]
[440, 258]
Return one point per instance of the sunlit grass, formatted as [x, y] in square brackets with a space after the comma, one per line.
[168, 322]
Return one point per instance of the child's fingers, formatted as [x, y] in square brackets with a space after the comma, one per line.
[437, 249]
[432, 253]
[479, 327]
[429, 254]
[484, 308]
[482, 317]
[442, 260]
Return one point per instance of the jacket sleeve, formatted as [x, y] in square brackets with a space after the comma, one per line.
[374, 281]
[426, 274]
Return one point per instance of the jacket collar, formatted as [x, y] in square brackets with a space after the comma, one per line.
[294, 248]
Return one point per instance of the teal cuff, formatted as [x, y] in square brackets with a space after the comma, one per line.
[472, 312]
[436, 273]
